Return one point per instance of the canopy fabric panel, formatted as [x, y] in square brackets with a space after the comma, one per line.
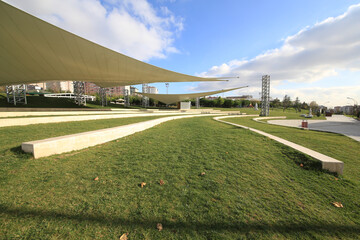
[32, 50]
[173, 98]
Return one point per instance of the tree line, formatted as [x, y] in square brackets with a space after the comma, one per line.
[220, 102]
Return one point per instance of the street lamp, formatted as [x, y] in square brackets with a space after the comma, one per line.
[167, 88]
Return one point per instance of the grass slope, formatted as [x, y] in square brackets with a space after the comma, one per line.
[252, 189]
[334, 145]
[40, 102]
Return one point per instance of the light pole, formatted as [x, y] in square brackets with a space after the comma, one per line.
[167, 88]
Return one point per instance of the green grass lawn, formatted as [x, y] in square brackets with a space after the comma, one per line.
[334, 145]
[253, 188]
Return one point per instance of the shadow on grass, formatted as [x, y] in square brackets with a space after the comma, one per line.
[239, 227]
[20, 153]
[303, 160]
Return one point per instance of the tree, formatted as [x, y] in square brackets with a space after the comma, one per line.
[219, 102]
[297, 105]
[275, 103]
[237, 103]
[286, 102]
[314, 106]
[305, 106]
[245, 103]
[228, 103]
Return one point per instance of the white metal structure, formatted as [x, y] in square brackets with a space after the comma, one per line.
[198, 102]
[69, 95]
[102, 94]
[145, 99]
[16, 94]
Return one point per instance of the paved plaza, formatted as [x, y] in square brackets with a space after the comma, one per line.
[336, 124]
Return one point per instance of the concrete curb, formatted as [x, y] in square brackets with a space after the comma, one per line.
[68, 143]
[328, 163]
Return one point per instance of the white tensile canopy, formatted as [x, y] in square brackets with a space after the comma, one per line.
[32, 50]
[173, 98]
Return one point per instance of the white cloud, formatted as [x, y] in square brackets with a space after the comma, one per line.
[308, 56]
[134, 28]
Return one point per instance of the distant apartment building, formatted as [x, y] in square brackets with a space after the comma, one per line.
[133, 90]
[67, 86]
[92, 89]
[337, 109]
[348, 110]
[153, 90]
[58, 86]
[212, 98]
[37, 86]
[33, 87]
[242, 97]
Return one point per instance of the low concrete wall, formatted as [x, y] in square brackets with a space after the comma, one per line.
[49, 109]
[57, 145]
[8, 122]
[328, 163]
[265, 118]
[62, 113]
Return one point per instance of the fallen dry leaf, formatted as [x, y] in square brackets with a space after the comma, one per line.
[142, 184]
[300, 204]
[338, 204]
[159, 226]
[161, 182]
[96, 179]
[336, 179]
[227, 153]
[202, 174]
[124, 236]
[301, 165]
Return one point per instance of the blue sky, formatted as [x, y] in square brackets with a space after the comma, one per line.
[310, 48]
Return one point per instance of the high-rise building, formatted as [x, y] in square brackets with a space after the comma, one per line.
[153, 90]
[59, 86]
[92, 89]
[133, 90]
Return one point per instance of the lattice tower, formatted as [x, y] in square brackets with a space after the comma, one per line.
[145, 100]
[102, 95]
[16, 94]
[79, 93]
[265, 96]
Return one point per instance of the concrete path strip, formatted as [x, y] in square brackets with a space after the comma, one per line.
[328, 163]
[8, 122]
[62, 113]
[57, 145]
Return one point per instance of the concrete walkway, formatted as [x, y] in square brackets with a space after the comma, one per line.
[328, 163]
[7, 122]
[68, 143]
[61, 113]
[336, 124]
